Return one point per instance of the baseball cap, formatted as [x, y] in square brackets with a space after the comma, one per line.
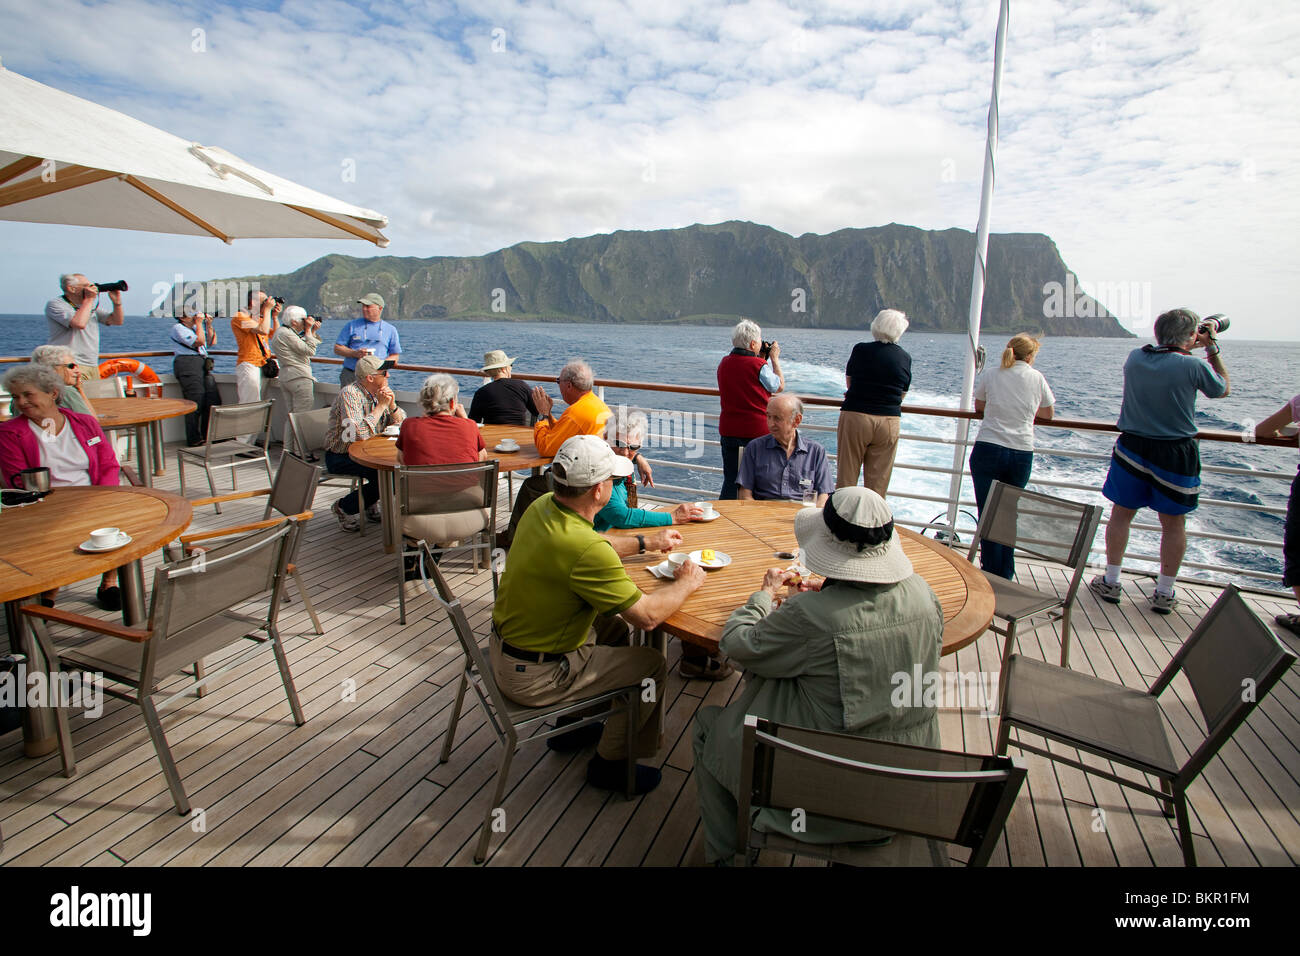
[372, 298]
[586, 460]
[369, 365]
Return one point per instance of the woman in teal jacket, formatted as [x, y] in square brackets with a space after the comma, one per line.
[627, 431]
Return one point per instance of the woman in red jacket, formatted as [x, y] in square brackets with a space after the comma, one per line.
[71, 445]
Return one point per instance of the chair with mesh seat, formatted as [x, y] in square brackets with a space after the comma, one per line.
[1231, 661]
[309, 430]
[1050, 529]
[508, 719]
[439, 504]
[290, 496]
[222, 447]
[114, 387]
[190, 616]
[940, 796]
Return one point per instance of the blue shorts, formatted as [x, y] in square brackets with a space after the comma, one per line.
[1161, 474]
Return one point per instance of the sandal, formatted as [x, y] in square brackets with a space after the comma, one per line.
[1289, 621]
[705, 668]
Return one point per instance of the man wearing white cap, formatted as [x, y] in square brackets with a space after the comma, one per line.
[560, 575]
[824, 659]
[503, 400]
[368, 335]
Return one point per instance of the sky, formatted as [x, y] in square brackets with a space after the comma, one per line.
[1158, 144]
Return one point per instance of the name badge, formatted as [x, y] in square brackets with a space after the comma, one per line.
[93, 441]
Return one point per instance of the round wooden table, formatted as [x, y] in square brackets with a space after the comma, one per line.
[41, 552]
[142, 414]
[380, 453]
[751, 532]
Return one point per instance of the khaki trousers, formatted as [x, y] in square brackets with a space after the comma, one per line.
[585, 672]
[88, 371]
[301, 393]
[867, 444]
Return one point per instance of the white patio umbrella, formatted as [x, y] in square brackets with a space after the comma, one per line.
[129, 175]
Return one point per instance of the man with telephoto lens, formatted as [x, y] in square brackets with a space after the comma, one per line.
[74, 321]
[1155, 463]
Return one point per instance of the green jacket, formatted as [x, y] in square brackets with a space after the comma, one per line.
[824, 660]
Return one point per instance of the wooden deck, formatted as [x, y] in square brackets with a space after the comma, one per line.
[359, 783]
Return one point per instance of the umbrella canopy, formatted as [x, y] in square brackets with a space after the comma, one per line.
[67, 160]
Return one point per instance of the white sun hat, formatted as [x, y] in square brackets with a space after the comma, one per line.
[852, 539]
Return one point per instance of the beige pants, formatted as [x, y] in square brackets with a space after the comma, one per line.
[586, 672]
[867, 444]
[301, 395]
[89, 371]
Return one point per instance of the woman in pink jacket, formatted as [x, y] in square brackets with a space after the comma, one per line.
[71, 445]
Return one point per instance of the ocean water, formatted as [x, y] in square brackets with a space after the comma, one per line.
[1085, 374]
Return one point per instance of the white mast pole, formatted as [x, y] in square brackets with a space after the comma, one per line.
[977, 279]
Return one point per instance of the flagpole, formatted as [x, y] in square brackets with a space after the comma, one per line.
[978, 276]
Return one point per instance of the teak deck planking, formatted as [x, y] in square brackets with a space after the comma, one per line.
[359, 783]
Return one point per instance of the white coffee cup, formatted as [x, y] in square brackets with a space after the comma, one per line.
[509, 443]
[707, 508]
[677, 559]
[105, 537]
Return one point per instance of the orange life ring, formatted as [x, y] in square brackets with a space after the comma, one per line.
[131, 366]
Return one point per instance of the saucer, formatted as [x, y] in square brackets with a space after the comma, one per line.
[508, 450]
[123, 540]
[720, 560]
[713, 517]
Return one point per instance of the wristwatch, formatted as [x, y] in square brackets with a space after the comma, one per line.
[640, 541]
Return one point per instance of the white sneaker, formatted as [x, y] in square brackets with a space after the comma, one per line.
[374, 514]
[1162, 603]
[1110, 593]
[346, 521]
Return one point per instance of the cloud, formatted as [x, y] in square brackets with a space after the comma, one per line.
[1153, 143]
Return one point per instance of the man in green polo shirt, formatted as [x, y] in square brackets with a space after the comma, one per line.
[560, 575]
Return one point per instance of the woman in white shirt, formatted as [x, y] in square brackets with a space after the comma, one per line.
[1009, 398]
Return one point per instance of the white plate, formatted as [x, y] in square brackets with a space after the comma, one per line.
[506, 450]
[720, 559]
[713, 517]
[122, 541]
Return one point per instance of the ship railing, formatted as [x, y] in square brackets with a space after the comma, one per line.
[815, 404]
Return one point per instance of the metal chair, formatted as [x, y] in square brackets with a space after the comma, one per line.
[223, 449]
[309, 430]
[442, 503]
[290, 496]
[1231, 660]
[190, 616]
[506, 718]
[114, 387]
[939, 795]
[1049, 528]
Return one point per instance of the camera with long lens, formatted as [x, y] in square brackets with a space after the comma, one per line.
[118, 286]
[766, 351]
[1214, 324]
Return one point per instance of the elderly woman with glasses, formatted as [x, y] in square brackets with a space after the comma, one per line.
[626, 432]
[61, 360]
[70, 444]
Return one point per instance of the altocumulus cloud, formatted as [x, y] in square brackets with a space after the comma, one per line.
[1154, 144]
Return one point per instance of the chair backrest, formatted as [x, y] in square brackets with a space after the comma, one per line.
[294, 488]
[1231, 660]
[477, 665]
[939, 794]
[231, 421]
[103, 387]
[1047, 527]
[446, 489]
[188, 593]
[309, 429]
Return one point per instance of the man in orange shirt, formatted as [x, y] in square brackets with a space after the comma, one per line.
[586, 415]
[251, 335]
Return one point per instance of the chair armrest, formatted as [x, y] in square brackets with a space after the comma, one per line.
[188, 539]
[132, 478]
[234, 496]
[134, 634]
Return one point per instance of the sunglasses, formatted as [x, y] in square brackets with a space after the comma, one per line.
[620, 444]
[69, 365]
